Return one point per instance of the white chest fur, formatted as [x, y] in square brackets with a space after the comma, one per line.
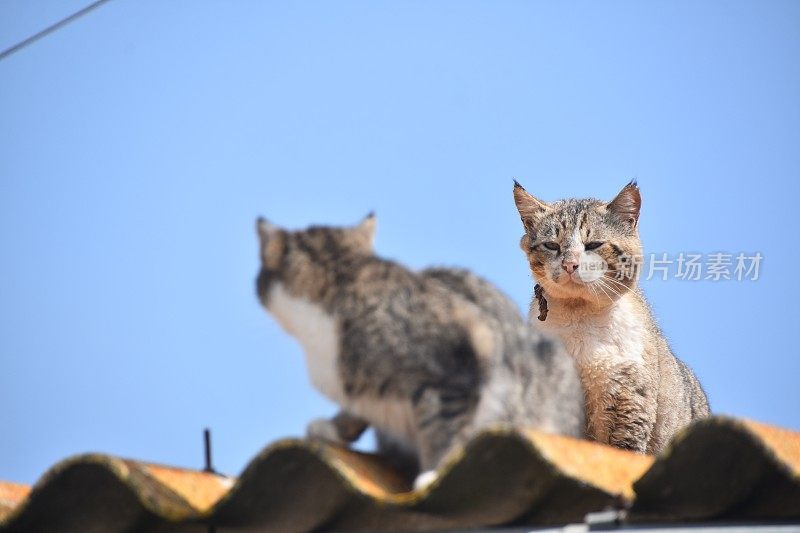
[317, 332]
[614, 336]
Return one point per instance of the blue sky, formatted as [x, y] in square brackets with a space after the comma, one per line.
[138, 144]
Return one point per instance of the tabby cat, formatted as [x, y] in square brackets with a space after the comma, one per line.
[638, 394]
[416, 355]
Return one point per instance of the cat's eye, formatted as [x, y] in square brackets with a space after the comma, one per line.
[551, 245]
[592, 245]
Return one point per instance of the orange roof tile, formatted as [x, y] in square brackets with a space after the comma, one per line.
[718, 469]
[11, 494]
[722, 467]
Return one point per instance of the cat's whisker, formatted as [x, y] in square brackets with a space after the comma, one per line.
[593, 291]
[614, 289]
[602, 287]
[595, 294]
[620, 285]
[627, 289]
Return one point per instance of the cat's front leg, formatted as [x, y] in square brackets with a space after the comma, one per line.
[342, 429]
[441, 416]
[634, 415]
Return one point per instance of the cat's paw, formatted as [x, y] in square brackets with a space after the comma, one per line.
[424, 479]
[324, 430]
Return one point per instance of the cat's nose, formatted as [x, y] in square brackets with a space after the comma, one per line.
[570, 265]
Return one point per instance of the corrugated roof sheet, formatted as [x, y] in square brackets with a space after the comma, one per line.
[718, 469]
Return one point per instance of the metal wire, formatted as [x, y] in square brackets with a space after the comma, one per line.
[50, 29]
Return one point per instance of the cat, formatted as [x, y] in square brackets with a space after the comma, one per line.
[411, 354]
[638, 394]
[345, 427]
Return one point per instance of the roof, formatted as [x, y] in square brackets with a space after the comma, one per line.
[718, 469]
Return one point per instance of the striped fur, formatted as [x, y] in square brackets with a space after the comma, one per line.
[426, 358]
[638, 394]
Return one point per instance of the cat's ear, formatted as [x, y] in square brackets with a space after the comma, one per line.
[627, 203]
[530, 208]
[265, 229]
[271, 239]
[366, 228]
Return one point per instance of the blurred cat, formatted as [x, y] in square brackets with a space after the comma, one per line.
[345, 428]
[412, 354]
[582, 253]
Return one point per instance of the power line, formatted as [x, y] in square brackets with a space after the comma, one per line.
[50, 29]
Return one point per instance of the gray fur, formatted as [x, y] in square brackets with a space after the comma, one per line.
[443, 344]
[638, 394]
